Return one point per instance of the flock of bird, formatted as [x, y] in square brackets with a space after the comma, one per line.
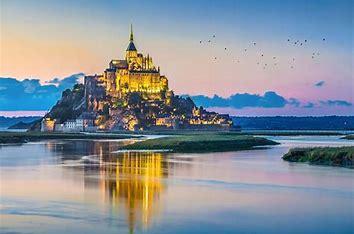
[262, 57]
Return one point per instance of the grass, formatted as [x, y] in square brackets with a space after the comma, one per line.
[207, 142]
[348, 137]
[330, 156]
[22, 137]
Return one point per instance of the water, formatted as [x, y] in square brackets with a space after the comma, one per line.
[79, 186]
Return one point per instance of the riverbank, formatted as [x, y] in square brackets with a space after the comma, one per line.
[328, 156]
[348, 137]
[23, 137]
[207, 142]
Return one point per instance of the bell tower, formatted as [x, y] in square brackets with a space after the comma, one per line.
[131, 52]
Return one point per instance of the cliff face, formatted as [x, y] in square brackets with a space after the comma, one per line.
[70, 106]
[134, 110]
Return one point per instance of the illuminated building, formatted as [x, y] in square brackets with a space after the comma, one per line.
[47, 125]
[134, 73]
[131, 94]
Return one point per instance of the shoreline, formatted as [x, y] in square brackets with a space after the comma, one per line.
[323, 156]
[205, 143]
[184, 143]
[24, 137]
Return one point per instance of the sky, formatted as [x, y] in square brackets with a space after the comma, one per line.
[41, 40]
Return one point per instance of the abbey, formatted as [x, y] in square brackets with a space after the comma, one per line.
[134, 73]
[131, 94]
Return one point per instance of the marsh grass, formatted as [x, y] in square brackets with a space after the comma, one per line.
[330, 156]
[207, 142]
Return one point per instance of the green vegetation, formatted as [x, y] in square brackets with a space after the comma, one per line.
[330, 156]
[207, 142]
[22, 137]
[348, 137]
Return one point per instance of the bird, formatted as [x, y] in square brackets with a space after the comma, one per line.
[215, 58]
[288, 39]
[292, 67]
[213, 36]
[225, 48]
[312, 56]
[293, 59]
[305, 40]
[245, 50]
[257, 63]
[323, 39]
[208, 40]
[274, 57]
[200, 41]
[262, 55]
[254, 43]
[301, 44]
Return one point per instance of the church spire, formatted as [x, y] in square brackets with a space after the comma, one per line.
[131, 33]
[131, 46]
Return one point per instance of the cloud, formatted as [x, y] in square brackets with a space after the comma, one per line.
[30, 94]
[53, 81]
[294, 102]
[67, 81]
[320, 83]
[309, 105]
[270, 99]
[335, 103]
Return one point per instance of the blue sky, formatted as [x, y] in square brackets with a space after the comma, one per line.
[47, 39]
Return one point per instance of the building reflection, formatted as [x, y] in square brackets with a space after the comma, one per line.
[130, 182]
[134, 181]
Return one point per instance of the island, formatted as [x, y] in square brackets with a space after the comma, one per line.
[130, 94]
[201, 142]
[327, 156]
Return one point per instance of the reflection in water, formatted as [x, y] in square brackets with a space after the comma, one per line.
[135, 181]
[130, 181]
[84, 187]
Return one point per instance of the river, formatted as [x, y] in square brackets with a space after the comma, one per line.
[80, 186]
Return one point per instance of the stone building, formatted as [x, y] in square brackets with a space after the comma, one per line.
[134, 73]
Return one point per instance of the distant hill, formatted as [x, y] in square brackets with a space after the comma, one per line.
[6, 122]
[295, 123]
[22, 125]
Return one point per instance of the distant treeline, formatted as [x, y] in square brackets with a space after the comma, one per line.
[6, 122]
[296, 123]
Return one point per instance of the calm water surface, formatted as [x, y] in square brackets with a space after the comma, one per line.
[77, 186]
